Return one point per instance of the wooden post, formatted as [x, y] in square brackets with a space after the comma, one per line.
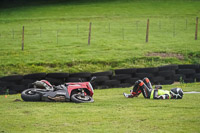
[147, 32]
[23, 38]
[89, 36]
[196, 32]
[123, 33]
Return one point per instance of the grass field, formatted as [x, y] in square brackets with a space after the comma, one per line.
[56, 35]
[110, 112]
[56, 40]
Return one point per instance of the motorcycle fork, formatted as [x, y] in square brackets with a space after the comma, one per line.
[83, 93]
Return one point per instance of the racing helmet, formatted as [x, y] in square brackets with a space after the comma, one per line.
[177, 93]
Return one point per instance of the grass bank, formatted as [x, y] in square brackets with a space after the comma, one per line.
[57, 35]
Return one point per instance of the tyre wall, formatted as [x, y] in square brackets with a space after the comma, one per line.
[109, 79]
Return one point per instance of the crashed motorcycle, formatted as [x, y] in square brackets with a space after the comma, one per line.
[78, 92]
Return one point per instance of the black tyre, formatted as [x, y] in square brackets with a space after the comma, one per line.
[143, 75]
[125, 71]
[186, 71]
[54, 81]
[189, 80]
[168, 67]
[5, 91]
[75, 79]
[188, 66]
[12, 78]
[179, 77]
[78, 98]
[57, 75]
[158, 79]
[121, 76]
[28, 95]
[80, 75]
[5, 84]
[106, 73]
[111, 83]
[101, 79]
[167, 82]
[166, 73]
[131, 80]
[37, 76]
[17, 88]
[124, 85]
[147, 70]
[197, 75]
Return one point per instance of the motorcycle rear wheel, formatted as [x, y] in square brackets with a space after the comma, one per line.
[28, 95]
[78, 98]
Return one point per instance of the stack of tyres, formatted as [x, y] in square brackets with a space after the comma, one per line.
[101, 79]
[167, 73]
[79, 77]
[125, 76]
[190, 72]
[28, 79]
[57, 78]
[147, 72]
[11, 84]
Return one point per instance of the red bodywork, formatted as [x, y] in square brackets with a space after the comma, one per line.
[79, 85]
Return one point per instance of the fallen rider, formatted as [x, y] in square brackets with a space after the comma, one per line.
[144, 86]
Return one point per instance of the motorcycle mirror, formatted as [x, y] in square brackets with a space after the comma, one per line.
[80, 80]
[92, 79]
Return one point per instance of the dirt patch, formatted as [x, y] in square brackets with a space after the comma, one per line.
[165, 55]
[17, 100]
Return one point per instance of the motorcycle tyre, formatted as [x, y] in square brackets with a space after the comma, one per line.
[27, 97]
[75, 99]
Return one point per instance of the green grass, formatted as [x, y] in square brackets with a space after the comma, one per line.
[110, 112]
[117, 40]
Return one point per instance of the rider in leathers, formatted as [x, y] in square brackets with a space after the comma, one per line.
[144, 86]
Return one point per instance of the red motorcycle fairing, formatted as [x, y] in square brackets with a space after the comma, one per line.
[80, 85]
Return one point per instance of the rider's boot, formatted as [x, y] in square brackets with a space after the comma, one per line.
[128, 95]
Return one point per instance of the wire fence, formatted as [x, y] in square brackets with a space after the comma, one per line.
[95, 32]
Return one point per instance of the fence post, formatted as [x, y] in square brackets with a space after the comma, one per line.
[123, 33]
[196, 31]
[23, 38]
[147, 32]
[89, 36]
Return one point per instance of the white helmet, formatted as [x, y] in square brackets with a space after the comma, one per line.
[177, 93]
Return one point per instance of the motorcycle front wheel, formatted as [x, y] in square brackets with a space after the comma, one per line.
[29, 95]
[78, 98]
